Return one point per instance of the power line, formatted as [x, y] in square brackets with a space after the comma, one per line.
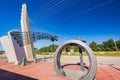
[45, 6]
[53, 6]
[72, 3]
[58, 7]
[94, 7]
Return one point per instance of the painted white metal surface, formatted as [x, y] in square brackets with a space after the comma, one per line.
[19, 50]
[8, 48]
[29, 49]
[14, 52]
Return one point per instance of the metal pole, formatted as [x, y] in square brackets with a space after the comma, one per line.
[81, 59]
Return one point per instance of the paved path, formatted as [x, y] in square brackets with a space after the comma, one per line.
[110, 61]
[100, 60]
[45, 71]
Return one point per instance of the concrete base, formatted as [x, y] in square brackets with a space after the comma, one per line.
[73, 74]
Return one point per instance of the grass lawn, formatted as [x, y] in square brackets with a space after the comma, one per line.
[84, 54]
[107, 54]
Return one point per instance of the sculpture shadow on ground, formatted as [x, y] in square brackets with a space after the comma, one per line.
[77, 64]
[7, 75]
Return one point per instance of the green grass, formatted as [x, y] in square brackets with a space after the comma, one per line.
[84, 54]
[107, 54]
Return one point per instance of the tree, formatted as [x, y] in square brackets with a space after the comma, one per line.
[76, 49]
[93, 46]
[37, 51]
[68, 49]
[109, 45]
[118, 44]
[53, 47]
[99, 47]
[50, 48]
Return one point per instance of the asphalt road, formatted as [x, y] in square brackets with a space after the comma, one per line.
[100, 60]
[76, 59]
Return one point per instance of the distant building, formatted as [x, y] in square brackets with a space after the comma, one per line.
[71, 51]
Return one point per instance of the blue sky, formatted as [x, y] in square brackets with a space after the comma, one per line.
[91, 20]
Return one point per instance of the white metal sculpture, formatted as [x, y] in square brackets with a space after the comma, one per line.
[14, 52]
[29, 49]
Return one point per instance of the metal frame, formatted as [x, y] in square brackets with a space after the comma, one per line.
[31, 37]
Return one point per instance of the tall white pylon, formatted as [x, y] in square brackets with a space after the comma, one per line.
[29, 49]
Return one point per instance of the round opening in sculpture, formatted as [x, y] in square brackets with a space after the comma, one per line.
[81, 70]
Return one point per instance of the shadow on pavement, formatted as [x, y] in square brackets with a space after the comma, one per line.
[78, 64]
[7, 75]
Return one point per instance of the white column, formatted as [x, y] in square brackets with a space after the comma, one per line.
[29, 49]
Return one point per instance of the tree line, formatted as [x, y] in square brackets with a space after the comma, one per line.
[50, 48]
[109, 45]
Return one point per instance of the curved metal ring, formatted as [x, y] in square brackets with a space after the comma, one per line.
[92, 59]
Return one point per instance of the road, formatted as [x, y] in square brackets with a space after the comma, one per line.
[100, 60]
[75, 59]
